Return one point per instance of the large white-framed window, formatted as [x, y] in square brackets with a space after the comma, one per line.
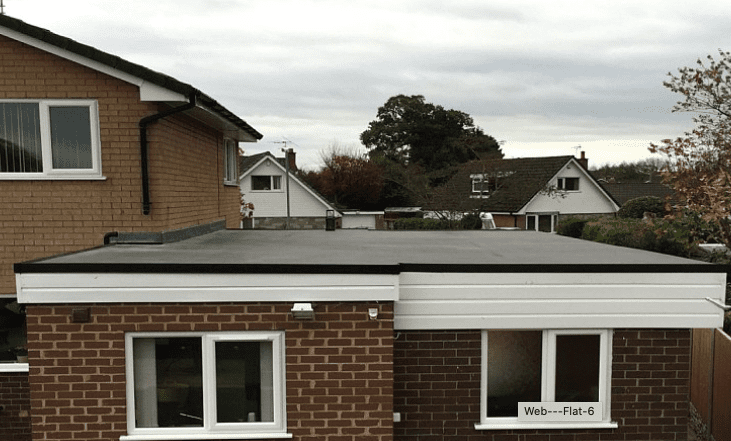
[544, 366]
[230, 155]
[49, 139]
[209, 385]
[568, 184]
[266, 183]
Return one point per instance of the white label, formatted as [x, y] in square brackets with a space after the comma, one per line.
[560, 412]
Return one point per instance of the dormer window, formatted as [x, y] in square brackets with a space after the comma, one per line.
[568, 184]
[266, 183]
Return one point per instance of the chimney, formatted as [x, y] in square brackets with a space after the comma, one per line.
[292, 160]
[584, 161]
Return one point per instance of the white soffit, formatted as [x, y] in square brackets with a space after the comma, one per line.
[45, 288]
[559, 300]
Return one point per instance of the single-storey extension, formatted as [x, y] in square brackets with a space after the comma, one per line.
[367, 335]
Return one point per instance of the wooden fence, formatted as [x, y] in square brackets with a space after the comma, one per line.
[710, 386]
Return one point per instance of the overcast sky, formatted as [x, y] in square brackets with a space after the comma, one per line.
[543, 76]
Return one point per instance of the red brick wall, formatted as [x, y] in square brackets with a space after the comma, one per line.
[44, 217]
[437, 388]
[15, 399]
[339, 366]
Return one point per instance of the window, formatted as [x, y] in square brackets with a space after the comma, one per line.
[13, 338]
[568, 184]
[541, 222]
[230, 155]
[266, 183]
[53, 139]
[205, 384]
[542, 366]
[483, 184]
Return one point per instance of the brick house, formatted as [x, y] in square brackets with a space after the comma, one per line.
[364, 335]
[530, 193]
[91, 144]
[173, 332]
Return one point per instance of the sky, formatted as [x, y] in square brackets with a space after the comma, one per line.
[544, 77]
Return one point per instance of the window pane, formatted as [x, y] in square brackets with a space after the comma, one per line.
[277, 182]
[531, 223]
[577, 367]
[168, 380]
[514, 361]
[70, 137]
[261, 183]
[20, 138]
[244, 382]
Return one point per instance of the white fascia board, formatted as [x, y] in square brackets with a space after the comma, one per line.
[559, 300]
[152, 92]
[50, 288]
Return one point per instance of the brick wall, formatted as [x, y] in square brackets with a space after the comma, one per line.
[46, 217]
[15, 402]
[295, 223]
[437, 388]
[339, 366]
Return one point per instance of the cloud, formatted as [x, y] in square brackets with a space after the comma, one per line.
[316, 71]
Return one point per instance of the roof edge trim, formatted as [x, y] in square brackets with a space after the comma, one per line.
[226, 268]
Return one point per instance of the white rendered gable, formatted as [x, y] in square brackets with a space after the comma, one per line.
[273, 203]
[589, 199]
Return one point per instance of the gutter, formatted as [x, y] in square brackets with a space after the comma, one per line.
[144, 122]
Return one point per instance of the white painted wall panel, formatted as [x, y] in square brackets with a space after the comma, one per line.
[589, 198]
[302, 203]
[558, 300]
[114, 287]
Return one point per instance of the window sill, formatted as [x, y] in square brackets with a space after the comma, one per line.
[14, 367]
[59, 177]
[206, 436]
[534, 426]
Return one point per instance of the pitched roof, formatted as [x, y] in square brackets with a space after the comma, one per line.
[519, 179]
[247, 164]
[624, 192]
[117, 63]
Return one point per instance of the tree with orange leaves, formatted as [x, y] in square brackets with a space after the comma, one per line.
[700, 162]
[348, 179]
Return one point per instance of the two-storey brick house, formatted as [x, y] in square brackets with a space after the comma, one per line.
[91, 144]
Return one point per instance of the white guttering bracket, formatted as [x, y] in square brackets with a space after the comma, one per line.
[719, 304]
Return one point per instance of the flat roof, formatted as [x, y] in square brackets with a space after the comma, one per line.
[366, 251]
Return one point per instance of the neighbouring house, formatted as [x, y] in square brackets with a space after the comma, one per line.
[91, 144]
[529, 193]
[364, 335]
[264, 183]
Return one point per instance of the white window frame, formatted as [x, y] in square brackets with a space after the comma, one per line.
[271, 184]
[93, 173]
[212, 429]
[561, 184]
[230, 156]
[548, 378]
